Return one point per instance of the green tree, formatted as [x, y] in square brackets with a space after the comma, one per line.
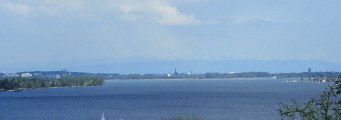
[327, 107]
[8, 84]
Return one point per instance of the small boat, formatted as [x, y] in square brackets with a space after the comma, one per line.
[103, 118]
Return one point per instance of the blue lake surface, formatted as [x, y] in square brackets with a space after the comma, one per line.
[158, 100]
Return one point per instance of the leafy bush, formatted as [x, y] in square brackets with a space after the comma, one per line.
[327, 107]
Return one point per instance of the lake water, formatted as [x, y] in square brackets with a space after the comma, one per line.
[158, 100]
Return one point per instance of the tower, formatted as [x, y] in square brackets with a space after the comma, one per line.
[309, 73]
[175, 72]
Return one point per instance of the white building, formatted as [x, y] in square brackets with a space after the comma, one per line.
[169, 75]
[26, 75]
[11, 75]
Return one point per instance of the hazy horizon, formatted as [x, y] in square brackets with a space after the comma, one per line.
[196, 67]
[112, 36]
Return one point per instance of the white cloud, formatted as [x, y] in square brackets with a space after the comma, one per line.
[19, 9]
[170, 15]
[157, 10]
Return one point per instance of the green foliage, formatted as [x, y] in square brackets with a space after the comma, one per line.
[15, 83]
[187, 117]
[327, 107]
[9, 84]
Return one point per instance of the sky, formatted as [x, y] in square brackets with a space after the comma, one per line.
[67, 34]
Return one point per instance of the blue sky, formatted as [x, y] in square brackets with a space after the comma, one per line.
[58, 34]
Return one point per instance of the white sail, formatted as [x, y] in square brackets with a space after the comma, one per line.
[103, 118]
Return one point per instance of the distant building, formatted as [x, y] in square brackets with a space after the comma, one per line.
[26, 75]
[11, 75]
[175, 72]
[58, 76]
[309, 73]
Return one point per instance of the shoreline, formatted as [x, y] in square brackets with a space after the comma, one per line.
[258, 78]
[23, 89]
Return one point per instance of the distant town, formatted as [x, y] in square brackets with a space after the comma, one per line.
[318, 76]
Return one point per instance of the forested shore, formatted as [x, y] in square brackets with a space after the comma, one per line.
[18, 83]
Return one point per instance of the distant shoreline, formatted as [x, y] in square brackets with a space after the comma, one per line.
[22, 89]
[258, 78]
[17, 84]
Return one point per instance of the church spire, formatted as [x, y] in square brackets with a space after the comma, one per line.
[175, 72]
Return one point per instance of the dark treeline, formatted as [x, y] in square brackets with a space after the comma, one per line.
[312, 75]
[238, 75]
[191, 76]
[176, 75]
[315, 75]
[15, 83]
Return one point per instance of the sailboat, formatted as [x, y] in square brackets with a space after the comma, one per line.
[103, 118]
